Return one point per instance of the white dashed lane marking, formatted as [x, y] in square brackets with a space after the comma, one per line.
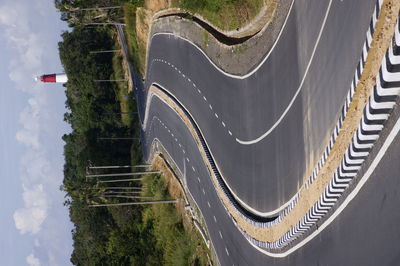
[215, 219]
[195, 86]
[208, 203]
[220, 235]
[227, 252]
[204, 192]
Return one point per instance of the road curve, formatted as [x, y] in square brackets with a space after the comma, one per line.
[227, 108]
[231, 246]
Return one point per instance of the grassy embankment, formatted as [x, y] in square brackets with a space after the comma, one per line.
[176, 240]
[224, 14]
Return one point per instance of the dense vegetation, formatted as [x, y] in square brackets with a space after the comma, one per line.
[123, 235]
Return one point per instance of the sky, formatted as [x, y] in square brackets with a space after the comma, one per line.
[34, 225]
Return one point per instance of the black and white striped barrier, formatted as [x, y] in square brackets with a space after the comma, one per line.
[380, 104]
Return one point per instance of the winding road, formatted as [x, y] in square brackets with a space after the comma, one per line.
[267, 130]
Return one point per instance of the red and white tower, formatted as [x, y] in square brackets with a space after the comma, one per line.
[59, 78]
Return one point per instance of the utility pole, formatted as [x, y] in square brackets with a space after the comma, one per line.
[125, 174]
[104, 51]
[104, 23]
[122, 192]
[117, 138]
[119, 166]
[122, 188]
[119, 180]
[135, 203]
[122, 113]
[110, 80]
[95, 8]
[125, 197]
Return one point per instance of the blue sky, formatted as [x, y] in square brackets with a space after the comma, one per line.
[34, 225]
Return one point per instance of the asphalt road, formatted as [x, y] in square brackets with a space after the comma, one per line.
[366, 232]
[268, 173]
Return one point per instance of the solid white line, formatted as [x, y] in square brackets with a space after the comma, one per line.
[219, 69]
[349, 198]
[248, 142]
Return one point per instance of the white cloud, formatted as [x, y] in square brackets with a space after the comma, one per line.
[32, 260]
[29, 37]
[30, 218]
[36, 243]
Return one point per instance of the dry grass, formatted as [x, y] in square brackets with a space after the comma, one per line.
[224, 14]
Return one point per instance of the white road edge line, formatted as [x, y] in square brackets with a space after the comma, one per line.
[350, 197]
[248, 142]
